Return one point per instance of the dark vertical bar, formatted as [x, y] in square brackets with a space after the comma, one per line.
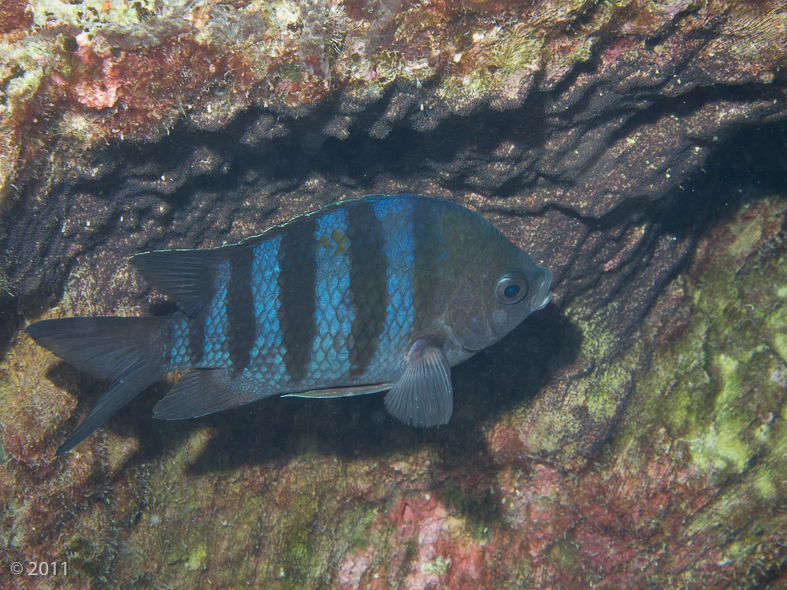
[298, 269]
[368, 284]
[429, 259]
[240, 307]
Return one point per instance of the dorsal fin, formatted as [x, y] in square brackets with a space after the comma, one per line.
[188, 276]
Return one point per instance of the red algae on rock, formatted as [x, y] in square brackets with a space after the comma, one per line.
[678, 497]
[685, 492]
[101, 71]
[632, 436]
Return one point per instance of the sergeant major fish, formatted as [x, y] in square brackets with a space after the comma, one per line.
[361, 296]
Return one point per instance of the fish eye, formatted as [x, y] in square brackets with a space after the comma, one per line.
[511, 290]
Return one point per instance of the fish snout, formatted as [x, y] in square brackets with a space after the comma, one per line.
[544, 295]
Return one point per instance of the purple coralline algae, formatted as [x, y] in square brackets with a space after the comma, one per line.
[633, 435]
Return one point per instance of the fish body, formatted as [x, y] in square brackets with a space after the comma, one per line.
[382, 292]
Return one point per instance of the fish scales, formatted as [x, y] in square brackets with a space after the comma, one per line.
[267, 351]
[240, 308]
[394, 290]
[369, 294]
[384, 292]
[180, 356]
[340, 326]
[333, 311]
[215, 350]
[296, 296]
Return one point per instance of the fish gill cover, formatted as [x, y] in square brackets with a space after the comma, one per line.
[631, 434]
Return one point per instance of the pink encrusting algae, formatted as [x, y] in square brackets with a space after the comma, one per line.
[633, 436]
[670, 498]
[133, 70]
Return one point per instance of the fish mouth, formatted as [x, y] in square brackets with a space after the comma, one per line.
[544, 295]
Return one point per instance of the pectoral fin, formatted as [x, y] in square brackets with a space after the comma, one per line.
[423, 396]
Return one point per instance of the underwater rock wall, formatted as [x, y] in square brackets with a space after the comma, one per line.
[687, 492]
[633, 432]
[574, 114]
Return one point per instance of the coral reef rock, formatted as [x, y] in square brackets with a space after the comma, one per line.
[633, 434]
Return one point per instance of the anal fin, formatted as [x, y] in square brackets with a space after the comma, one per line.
[200, 392]
[423, 396]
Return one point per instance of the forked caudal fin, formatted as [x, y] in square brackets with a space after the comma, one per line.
[129, 352]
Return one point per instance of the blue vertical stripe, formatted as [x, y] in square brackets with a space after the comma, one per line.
[267, 353]
[215, 352]
[396, 216]
[179, 357]
[333, 311]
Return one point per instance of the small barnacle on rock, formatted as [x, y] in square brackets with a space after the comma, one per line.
[70, 44]
[220, 89]
[143, 12]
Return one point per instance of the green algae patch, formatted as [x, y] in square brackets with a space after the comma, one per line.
[777, 327]
[747, 240]
[719, 384]
[594, 392]
[708, 424]
[196, 559]
[357, 524]
[297, 565]
[523, 51]
[721, 442]
[438, 566]
[598, 395]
